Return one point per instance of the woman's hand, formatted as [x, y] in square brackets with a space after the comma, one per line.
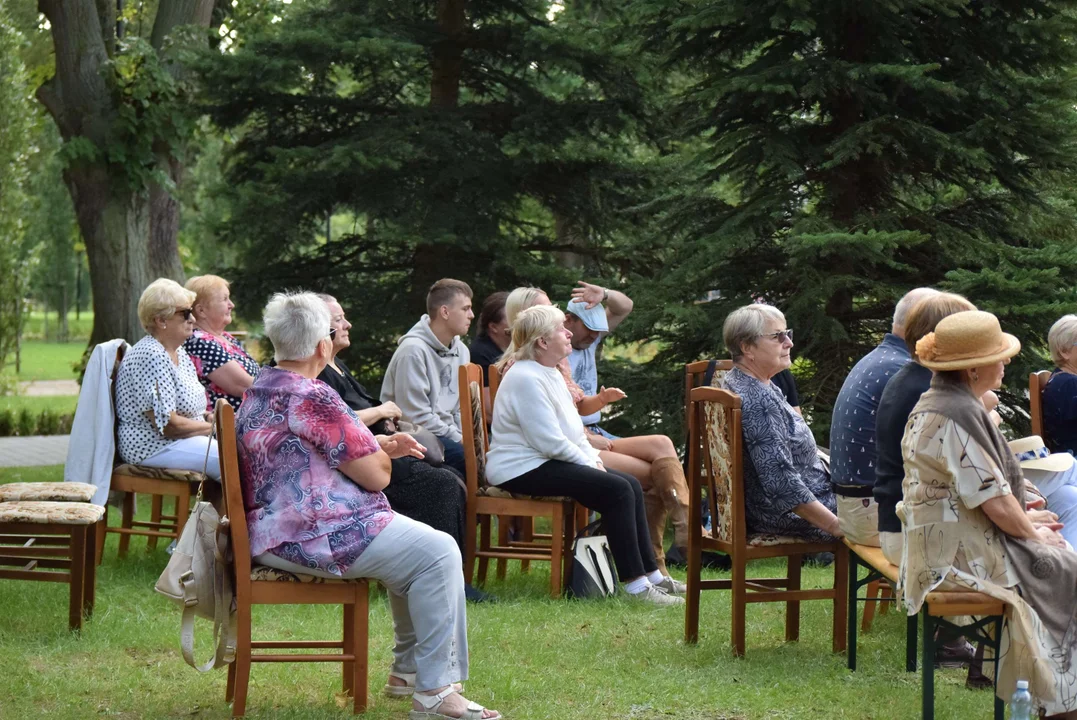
[389, 411]
[1042, 517]
[611, 395]
[1047, 536]
[599, 442]
[400, 445]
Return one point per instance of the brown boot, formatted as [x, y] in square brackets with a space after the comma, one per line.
[668, 477]
[655, 508]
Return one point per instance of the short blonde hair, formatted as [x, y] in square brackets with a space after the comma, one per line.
[206, 287]
[531, 325]
[160, 300]
[1063, 335]
[519, 300]
[745, 324]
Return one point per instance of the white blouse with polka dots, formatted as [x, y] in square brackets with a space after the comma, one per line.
[148, 380]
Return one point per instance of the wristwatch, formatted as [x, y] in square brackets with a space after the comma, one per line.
[605, 294]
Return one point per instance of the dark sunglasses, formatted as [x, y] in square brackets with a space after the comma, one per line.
[186, 313]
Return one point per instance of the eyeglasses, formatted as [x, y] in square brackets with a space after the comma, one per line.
[780, 336]
[186, 312]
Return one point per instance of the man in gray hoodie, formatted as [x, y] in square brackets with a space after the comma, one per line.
[422, 376]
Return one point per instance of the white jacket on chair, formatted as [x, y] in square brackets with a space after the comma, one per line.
[92, 449]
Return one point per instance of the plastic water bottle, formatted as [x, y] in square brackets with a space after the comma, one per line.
[1021, 702]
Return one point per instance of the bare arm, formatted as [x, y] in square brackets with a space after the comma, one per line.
[618, 306]
[385, 411]
[370, 472]
[180, 427]
[1007, 514]
[232, 378]
[593, 403]
[820, 516]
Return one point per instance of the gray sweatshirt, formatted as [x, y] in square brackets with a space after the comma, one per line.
[422, 379]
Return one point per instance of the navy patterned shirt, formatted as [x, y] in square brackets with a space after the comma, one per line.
[781, 465]
[852, 426]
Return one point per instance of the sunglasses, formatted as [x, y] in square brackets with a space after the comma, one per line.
[186, 313]
[780, 336]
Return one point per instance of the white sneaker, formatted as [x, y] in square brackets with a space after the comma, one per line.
[671, 586]
[657, 596]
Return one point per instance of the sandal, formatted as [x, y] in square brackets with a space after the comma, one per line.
[406, 690]
[431, 703]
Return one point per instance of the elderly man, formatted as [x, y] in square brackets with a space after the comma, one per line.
[852, 427]
[422, 375]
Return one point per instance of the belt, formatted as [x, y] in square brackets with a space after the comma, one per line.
[853, 491]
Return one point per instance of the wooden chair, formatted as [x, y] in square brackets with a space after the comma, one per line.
[52, 542]
[1037, 381]
[260, 585]
[715, 430]
[694, 375]
[486, 501]
[158, 483]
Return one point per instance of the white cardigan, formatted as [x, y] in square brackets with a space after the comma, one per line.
[534, 421]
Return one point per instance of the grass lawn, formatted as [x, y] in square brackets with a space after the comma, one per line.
[49, 360]
[531, 658]
[34, 325]
[59, 403]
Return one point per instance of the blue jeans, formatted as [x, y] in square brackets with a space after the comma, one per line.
[454, 453]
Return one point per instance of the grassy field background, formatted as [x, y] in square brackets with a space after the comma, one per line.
[531, 657]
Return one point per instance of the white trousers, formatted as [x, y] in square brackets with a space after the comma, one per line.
[188, 454]
[859, 520]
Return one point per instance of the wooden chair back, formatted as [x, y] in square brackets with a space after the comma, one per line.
[716, 461]
[233, 507]
[473, 426]
[1037, 381]
[495, 376]
[694, 375]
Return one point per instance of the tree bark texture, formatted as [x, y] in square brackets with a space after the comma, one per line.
[129, 233]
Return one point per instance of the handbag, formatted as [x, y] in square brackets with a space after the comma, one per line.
[592, 565]
[435, 451]
[199, 577]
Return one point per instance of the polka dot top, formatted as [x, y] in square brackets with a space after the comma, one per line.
[209, 353]
[148, 380]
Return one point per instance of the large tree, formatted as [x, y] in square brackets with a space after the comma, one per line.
[470, 139]
[118, 105]
[839, 153]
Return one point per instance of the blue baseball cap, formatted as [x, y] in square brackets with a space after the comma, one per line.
[593, 319]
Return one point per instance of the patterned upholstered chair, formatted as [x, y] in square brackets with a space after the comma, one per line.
[47, 533]
[715, 463]
[259, 585]
[485, 501]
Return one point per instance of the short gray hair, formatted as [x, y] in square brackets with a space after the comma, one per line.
[745, 324]
[908, 302]
[1063, 335]
[295, 323]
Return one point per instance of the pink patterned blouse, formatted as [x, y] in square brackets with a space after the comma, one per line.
[292, 435]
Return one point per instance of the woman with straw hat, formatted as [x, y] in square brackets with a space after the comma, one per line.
[965, 522]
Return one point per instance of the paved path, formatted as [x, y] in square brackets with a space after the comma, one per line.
[40, 388]
[35, 450]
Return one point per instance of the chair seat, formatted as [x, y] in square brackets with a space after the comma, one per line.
[157, 473]
[50, 513]
[47, 492]
[264, 573]
[496, 492]
[768, 540]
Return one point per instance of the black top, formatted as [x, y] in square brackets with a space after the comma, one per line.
[898, 399]
[352, 393]
[788, 385]
[1060, 412]
[484, 353]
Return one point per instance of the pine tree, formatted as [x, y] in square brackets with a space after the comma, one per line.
[478, 140]
[838, 153]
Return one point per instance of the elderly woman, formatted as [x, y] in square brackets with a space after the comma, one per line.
[787, 489]
[224, 367]
[431, 495]
[1060, 395]
[538, 447]
[313, 476]
[651, 459]
[160, 405]
[964, 514]
[494, 334]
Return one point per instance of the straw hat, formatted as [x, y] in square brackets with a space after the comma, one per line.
[1034, 455]
[966, 340]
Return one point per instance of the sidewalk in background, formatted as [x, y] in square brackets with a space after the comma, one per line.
[35, 450]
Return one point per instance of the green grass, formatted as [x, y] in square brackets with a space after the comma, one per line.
[58, 403]
[531, 658]
[48, 360]
[34, 326]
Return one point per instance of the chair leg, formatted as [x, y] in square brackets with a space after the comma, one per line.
[470, 528]
[242, 663]
[569, 513]
[156, 501]
[910, 643]
[851, 587]
[102, 532]
[484, 545]
[792, 607]
[77, 580]
[361, 637]
[527, 534]
[841, 607]
[871, 600]
[739, 593]
[348, 644]
[927, 698]
[886, 594]
[557, 550]
[695, 562]
[183, 509]
[90, 575]
[230, 688]
[127, 516]
[502, 541]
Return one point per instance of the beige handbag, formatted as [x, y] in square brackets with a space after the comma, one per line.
[199, 577]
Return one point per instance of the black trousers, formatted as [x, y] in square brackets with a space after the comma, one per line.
[428, 494]
[618, 496]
